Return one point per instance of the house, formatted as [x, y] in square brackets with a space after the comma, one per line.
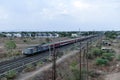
[38, 35]
[41, 35]
[26, 34]
[55, 35]
[8, 35]
[49, 35]
[17, 35]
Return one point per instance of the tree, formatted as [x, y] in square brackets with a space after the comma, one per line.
[2, 35]
[111, 34]
[33, 34]
[10, 45]
[48, 40]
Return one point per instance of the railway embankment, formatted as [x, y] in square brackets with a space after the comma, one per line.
[19, 44]
[63, 71]
[67, 68]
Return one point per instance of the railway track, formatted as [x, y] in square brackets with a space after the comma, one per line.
[20, 63]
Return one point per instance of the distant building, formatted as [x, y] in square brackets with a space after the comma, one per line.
[17, 35]
[8, 35]
[29, 34]
[55, 35]
[26, 34]
[74, 35]
[38, 35]
[46, 35]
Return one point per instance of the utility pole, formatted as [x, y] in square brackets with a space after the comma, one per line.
[79, 33]
[87, 61]
[80, 62]
[84, 63]
[49, 51]
[54, 64]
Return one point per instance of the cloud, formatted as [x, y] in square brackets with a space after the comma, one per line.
[3, 14]
[59, 13]
[81, 5]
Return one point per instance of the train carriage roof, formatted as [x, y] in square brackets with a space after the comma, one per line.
[54, 42]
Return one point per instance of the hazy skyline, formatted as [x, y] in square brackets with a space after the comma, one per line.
[59, 15]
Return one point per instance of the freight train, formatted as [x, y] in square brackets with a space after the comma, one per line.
[41, 48]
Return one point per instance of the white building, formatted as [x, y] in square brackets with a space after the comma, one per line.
[17, 35]
[74, 35]
[8, 35]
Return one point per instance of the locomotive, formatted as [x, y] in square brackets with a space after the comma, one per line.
[41, 48]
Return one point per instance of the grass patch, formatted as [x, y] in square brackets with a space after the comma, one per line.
[11, 74]
[101, 61]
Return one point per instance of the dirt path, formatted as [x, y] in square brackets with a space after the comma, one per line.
[29, 75]
[115, 76]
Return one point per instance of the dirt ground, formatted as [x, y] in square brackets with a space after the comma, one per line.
[113, 76]
[30, 75]
[112, 72]
[115, 69]
[25, 42]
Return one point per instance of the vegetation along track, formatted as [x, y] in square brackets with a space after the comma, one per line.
[19, 63]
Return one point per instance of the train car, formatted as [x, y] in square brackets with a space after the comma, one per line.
[29, 51]
[40, 48]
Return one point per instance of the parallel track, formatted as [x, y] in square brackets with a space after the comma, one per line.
[16, 63]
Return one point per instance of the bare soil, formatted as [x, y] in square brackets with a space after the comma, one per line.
[40, 71]
[115, 69]
[113, 76]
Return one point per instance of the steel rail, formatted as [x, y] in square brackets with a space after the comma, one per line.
[18, 63]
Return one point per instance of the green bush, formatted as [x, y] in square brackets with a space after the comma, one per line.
[39, 63]
[76, 73]
[74, 63]
[10, 45]
[17, 53]
[90, 56]
[118, 57]
[96, 52]
[108, 56]
[48, 40]
[24, 40]
[11, 74]
[101, 61]
[29, 68]
[111, 34]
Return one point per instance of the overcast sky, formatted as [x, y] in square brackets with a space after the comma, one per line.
[59, 15]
